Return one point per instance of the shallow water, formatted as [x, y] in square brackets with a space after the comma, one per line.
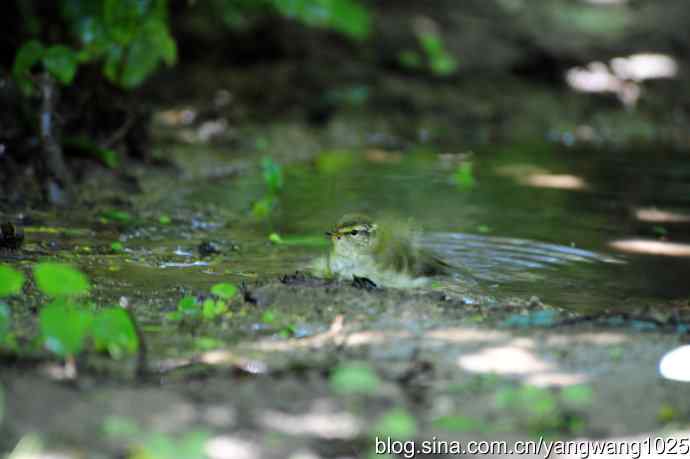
[535, 219]
[531, 220]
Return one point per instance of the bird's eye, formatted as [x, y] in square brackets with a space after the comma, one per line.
[354, 232]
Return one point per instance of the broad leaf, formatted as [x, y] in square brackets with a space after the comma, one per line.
[11, 281]
[64, 328]
[224, 290]
[113, 331]
[60, 280]
[61, 62]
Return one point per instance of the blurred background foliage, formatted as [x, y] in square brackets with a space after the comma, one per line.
[416, 70]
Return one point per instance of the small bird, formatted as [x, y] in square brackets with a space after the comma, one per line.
[386, 252]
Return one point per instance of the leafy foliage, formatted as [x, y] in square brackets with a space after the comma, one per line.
[397, 423]
[224, 290]
[64, 328]
[279, 322]
[114, 332]
[463, 177]
[354, 378]
[155, 445]
[60, 280]
[434, 56]
[272, 174]
[543, 411]
[304, 241]
[346, 16]
[190, 308]
[11, 281]
[349, 17]
[130, 37]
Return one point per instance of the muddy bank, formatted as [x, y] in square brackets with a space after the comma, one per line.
[434, 368]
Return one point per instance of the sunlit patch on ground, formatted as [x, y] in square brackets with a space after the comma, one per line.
[651, 247]
[518, 359]
[229, 447]
[321, 422]
[654, 215]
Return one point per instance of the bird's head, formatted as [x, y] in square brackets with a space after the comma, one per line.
[354, 235]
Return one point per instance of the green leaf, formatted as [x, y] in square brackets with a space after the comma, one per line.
[346, 16]
[262, 208]
[151, 45]
[458, 424]
[397, 423]
[463, 177]
[64, 328]
[28, 55]
[273, 174]
[211, 309]
[60, 280]
[187, 304]
[85, 145]
[122, 17]
[579, 395]
[121, 427]
[354, 378]
[187, 307]
[444, 65]
[304, 241]
[113, 331]
[224, 290]
[11, 281]
[117, 247]
[268, 317]
[120, 216]
[61, 62]
[410, 59]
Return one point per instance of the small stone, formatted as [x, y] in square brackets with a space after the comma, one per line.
[363, 283]
[207, 248]
[10, 238]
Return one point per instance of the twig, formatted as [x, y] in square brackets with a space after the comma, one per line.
[142, 370]
[52, 150]
[120, 133]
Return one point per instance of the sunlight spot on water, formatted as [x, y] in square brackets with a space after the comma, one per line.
[651, 247]
[644, 66]
[622, 75]
[655, 215]
[530, 175]
[559, 181]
